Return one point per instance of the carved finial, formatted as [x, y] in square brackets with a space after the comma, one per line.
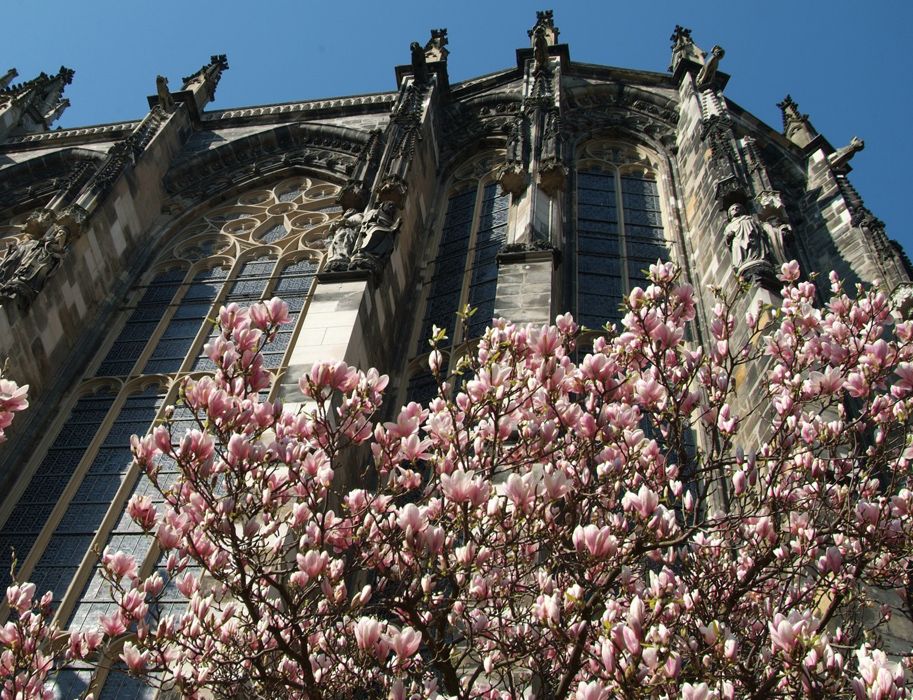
[680, 36]
[434, 49]
[796, 126]
[66, 74]
[544, 27]
[211, 73]
[684, 48]
[204, 82]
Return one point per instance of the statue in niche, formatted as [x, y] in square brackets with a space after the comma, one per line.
[378, 230]
[778, 233]
[26, 267]
[344, 232]
[748, 241]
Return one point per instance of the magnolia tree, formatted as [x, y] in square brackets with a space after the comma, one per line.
[561, 521]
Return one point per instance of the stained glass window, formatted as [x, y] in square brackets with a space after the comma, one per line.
[267, 241]
[619, 231]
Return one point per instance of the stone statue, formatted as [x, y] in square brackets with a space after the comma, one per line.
[748, 242]
[25, 269]
[344, 240]
[708, 72]
[419, 63]
[378, 230]
[166, 101]
[778, 233]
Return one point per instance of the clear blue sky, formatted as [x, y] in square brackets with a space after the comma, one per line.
[848, 64]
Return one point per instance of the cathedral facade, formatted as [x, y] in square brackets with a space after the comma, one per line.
[543, 188]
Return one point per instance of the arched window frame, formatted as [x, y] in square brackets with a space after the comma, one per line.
[619, 159]
[479, 176]
[306, 216]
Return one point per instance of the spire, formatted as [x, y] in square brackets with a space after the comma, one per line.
[796, 126]
[435, 50]
[684, 49]
[32, 106]
[544, 28]
[203, 83]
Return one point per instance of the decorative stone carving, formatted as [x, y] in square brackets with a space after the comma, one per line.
[684, 48]
[796, 126]
[749, 244]
[26, 267]
[706, 75]
[419, 63]
[354, 194]
[210, 74]
[36, 103]
[362, 241]
[166, 101]
[840, 159]
[730, 185]
[344, 238]
[544, 28]
[779, 232]
[434, 49]
[512, 175]
[378, 231]
[552, 171]
[403, 136]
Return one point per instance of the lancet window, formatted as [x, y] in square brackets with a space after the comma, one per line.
[464, 271]
[619, 229]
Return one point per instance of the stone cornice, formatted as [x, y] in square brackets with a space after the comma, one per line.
[342, 106]
[83, 134]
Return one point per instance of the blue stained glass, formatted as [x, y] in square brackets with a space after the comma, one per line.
[422, 388]
[289, 196]
[120, 686]
[596, 212]
[247, 288]
[178, 337]
[72, 681]
[444, 295]
[274, 234]
[52, 476]
[604, 198]
[141, 323]
[596, 180]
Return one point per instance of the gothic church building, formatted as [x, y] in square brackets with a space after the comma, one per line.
[542, 188]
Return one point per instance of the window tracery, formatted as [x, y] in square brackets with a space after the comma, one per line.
[263, 242]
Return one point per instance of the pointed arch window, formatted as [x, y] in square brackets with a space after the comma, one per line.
[619, 229]
[265, 241]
